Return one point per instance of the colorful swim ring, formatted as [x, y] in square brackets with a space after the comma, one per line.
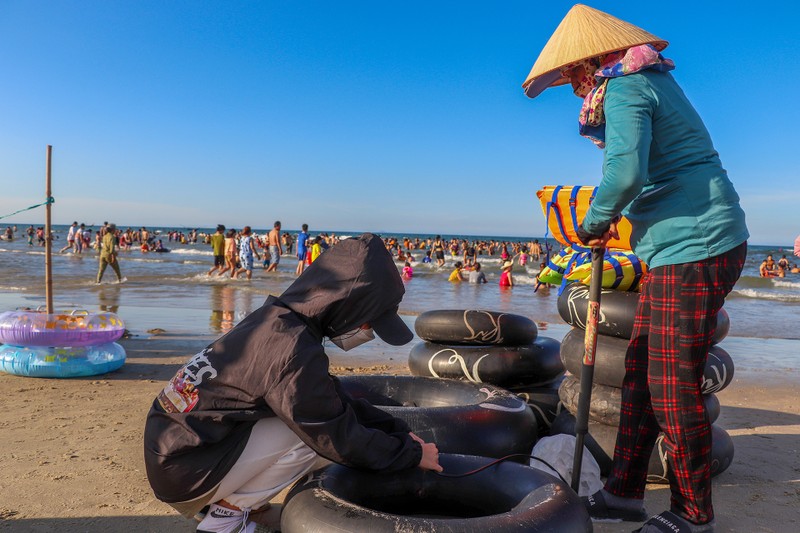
[622, 269]
[46, 362]
[77, 328]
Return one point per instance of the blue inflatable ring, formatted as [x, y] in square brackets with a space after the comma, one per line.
[48, 362]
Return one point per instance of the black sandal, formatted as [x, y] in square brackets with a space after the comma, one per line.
[668, 522]
[599, 510]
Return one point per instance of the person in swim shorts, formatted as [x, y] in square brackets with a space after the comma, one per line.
[275, 248]
[438, 251]
[302, 249]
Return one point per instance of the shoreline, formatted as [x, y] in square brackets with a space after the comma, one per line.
[74, 462]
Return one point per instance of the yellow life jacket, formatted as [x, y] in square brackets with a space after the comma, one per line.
[565, 207]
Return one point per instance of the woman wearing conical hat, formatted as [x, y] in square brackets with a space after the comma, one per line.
[661, 171]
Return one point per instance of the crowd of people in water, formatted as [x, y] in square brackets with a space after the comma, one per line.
[235, 251]
[82, 237]
[769, 268]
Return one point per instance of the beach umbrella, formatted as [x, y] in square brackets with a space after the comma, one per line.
[587, 368]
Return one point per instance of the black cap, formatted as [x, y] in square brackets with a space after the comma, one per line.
[391, 328]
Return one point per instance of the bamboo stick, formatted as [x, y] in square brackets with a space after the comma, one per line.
[48, 239]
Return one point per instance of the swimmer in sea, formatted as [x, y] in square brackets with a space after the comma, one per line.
[408, 272]
[438, 251]
[455, 275]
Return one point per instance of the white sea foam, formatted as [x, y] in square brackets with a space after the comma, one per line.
[143, 260]
[790, 284]
[766, 295]
[190, 251]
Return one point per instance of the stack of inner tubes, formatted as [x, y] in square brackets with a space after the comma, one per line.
[615, 326]
[484, 434]
[60, 345]
[501, 349]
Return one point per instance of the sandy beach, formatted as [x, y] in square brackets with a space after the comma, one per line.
[72, 456]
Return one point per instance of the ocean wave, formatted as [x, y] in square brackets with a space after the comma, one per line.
[190, 251]
[755, 282]
[143, 260]
[13, 288]
[783, 283]
[766, 295]
[28, 251]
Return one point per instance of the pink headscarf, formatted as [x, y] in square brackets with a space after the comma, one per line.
[637, 58]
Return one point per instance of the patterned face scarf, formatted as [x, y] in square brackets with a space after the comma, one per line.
[592, 120]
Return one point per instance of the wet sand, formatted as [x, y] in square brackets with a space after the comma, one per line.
[72, 449]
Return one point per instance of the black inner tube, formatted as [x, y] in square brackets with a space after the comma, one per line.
[460, 417]
[408, 391]
[526, 364]
[475, 327]
[617, 312]
[425, 495]
[503, 497]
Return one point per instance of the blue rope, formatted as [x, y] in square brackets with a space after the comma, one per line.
[50, 200]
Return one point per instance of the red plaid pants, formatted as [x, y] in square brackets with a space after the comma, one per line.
[663, 372]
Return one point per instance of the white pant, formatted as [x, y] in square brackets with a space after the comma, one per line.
[273, 458]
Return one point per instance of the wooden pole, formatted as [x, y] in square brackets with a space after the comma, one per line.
[587, 368]
[48, 239]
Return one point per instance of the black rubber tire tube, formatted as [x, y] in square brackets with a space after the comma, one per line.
[475, 327]
[609, 362]
[459, 417]
[617, 311]
[508, 497]
[530, 364]
[602, 438]
[606, 401]
[543, 401]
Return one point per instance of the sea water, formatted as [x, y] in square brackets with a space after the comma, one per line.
[171, 291]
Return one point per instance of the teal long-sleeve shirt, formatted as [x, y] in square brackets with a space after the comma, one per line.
[661, 171]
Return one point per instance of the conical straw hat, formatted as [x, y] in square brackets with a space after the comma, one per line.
[584, 33]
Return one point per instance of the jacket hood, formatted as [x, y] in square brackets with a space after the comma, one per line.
[350, 284]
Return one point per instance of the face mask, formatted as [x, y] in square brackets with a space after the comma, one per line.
[585, 86]
[351, 339]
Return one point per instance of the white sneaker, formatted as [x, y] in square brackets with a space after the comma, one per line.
[220, 519]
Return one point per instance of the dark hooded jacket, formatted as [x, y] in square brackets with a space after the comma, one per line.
[273, 364]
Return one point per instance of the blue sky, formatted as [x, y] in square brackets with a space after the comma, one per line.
[346, 115]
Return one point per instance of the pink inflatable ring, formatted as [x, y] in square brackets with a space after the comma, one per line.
[77, 328]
